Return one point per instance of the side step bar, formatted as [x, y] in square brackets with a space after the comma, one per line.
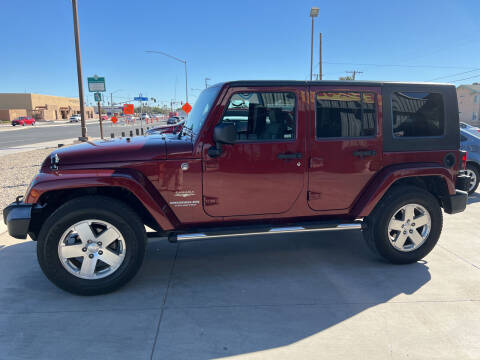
[212, 233]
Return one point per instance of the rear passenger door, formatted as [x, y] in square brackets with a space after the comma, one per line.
[344, 145]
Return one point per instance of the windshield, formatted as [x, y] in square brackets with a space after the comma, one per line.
[202, 107]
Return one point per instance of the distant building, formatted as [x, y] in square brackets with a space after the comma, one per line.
[41, 107]
[469, 103]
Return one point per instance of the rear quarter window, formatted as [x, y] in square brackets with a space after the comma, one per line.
[417, 114]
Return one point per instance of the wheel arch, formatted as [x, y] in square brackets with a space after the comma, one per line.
[436, 180]
[49, 193]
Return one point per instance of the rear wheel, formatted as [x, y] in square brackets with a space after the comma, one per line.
[91, 245]
[405, 225]
[474, 174]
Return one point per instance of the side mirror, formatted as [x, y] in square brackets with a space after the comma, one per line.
[225, 133]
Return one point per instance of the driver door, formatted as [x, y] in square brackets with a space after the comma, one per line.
[263, 172]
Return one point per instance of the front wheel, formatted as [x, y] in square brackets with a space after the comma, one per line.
[91, 245]
[405, 225]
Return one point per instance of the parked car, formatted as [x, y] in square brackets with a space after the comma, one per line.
[104, 117]
[303, 157]
[169, 129]
[144, 117]
[75, 118]
[23, 120]
[173, 120]
[470, 142]
[469, 128]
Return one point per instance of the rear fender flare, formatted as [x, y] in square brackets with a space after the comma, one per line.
[386, 178]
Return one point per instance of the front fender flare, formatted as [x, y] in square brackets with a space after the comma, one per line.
[130, 180]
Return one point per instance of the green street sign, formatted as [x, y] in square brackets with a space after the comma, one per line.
[97, 96]
[96, 84]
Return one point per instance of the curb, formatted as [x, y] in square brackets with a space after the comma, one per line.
[37, 146]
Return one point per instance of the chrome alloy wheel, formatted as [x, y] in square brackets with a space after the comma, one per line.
[409, 227]
[473, 179]
[91, 249]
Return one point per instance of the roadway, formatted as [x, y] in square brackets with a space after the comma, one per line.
[42, 132]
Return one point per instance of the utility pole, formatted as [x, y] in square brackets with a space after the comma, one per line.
[320, 72]
[100, 119]
[79, 72]
[354, 72]
[313, 14]
[206, 82]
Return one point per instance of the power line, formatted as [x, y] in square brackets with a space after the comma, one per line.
[471, 77]
[461, 73]
[400, 65]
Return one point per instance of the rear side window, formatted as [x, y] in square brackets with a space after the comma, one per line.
[417, 114]
[345, 114]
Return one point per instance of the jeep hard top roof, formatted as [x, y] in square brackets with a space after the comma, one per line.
[267, 83]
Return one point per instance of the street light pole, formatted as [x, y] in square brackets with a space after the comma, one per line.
[79, 72]
[177, 59]
[313, 14]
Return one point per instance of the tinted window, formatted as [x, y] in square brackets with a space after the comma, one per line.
[262, 115]
[345, 114]
[417, 114]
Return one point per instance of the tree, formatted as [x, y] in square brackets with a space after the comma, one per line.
[348, 77]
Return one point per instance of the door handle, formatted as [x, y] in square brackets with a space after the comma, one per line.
[289, 156]
[364, 153]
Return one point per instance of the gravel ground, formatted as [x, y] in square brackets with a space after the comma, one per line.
[17, 170]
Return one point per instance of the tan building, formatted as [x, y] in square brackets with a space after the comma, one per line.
[469, 103]
[41, 107]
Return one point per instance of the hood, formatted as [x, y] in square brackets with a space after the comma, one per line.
[139, 148]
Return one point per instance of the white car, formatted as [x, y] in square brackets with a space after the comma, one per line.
[75, 118]
[144, 117]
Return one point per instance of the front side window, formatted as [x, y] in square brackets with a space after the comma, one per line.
[345, 114]
[262, 115]
[416, 114]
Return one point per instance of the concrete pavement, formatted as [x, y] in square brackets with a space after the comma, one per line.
[310, 296]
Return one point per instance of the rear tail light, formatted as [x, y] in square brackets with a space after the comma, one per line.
[464, 159]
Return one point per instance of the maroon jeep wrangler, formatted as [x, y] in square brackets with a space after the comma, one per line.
[254, 157]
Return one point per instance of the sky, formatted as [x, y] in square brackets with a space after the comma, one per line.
[410, 40]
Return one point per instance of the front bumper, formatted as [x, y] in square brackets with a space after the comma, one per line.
[17, 217]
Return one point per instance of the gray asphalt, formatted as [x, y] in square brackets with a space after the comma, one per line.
[10, 137]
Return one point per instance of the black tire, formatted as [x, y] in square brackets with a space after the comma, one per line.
[91, 207]
[475, 170]
[376, 231]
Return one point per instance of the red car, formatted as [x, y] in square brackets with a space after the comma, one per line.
[271, 158]
[23, 120]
